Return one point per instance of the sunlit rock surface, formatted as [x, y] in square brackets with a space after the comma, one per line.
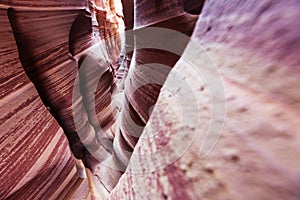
[253, 44]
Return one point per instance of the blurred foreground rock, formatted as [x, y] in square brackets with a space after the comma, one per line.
[252, 47]
[255, 47]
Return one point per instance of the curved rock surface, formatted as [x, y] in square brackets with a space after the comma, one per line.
[254, 47]
[35, 160]
[44, 42]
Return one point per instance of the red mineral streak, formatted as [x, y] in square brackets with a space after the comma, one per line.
[27, 129]
[254, 45]
[178, 182]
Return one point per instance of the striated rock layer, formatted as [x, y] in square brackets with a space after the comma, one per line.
[242, 61]
[145, 76]
[35, 161]
[48, 43]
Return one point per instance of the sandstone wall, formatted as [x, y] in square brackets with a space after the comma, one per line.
[255, 47]
[35, 160]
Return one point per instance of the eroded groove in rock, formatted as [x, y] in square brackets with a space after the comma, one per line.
[143, 83]
[80, 33]
[254, 45]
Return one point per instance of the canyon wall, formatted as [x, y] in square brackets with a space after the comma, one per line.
[35, 159]
[225, 124]
[252, 47]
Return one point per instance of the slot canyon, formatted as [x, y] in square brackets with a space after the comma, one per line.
[149, 99]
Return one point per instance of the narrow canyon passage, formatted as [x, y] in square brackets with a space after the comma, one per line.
[178, 99]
